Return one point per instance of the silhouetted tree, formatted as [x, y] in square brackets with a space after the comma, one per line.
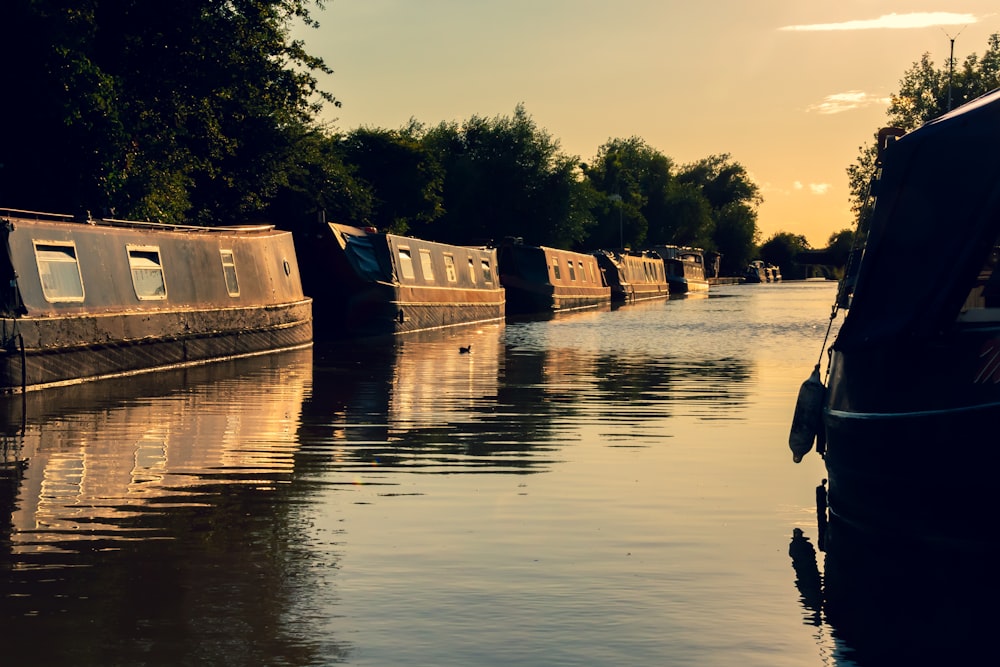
[153, 111]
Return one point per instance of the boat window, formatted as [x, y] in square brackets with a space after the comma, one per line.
[472, 270]
[555, 269]
[590, 269]
[583, 273]
[59, 271]
[449, 268]
[572, 270]
[487, 271]
[229, 271]
[425, 265]
[406, 263]
[147, 272]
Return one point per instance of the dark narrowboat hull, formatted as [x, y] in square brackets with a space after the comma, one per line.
[909, 449]
[361, 287]
[47, 352]
[546, 280]
[378, 309]
[633, 276]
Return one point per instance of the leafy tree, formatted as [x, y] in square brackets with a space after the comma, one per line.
[733, 198]
[735, 237]
[632, 180]
[924, 94]
[782, 249]
[504, 176]
[403, 176]
[839, 246]
[149, 112]
[319, 186]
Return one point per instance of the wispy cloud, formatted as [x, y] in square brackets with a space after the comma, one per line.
[813, 188]
[890, 22]
[848, 101]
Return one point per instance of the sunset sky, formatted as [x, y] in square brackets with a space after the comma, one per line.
[789, 88]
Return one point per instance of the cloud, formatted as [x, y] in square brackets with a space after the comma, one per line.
[890, 22]
[847, 101]
[813, 188]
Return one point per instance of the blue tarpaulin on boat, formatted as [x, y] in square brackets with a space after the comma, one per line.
[361, 254]
[935, 221]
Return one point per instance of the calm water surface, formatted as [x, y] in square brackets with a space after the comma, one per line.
[603, 488]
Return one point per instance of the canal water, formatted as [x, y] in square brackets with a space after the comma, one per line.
[608, 487]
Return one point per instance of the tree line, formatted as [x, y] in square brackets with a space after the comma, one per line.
[209, 114]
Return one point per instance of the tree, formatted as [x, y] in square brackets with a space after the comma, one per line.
[924, 94]
[733, 198]
[400, 172]
[504, 176]
[133, 109]
[782, 249]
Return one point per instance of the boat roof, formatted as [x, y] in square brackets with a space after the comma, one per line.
[935, 221]
[135, 224]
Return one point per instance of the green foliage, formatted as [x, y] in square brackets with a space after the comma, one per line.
[782, 249]
[149, 111]
[404, 178]
[505, 176]
[733, 199]
[924, 94]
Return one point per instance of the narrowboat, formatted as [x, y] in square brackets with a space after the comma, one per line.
[545, 280]
[85, 299]
[368, 283]
[685, 269]
[912, 395]
[633, 276]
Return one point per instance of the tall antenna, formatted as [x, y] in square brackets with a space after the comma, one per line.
[951, 60]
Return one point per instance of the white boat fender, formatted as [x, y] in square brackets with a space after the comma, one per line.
[807, 423]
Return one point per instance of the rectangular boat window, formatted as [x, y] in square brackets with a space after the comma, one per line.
[472, 270]
[59, 271]
[555, 269]
[406, 263]
[229, 271]
[487, 271]
[425, 265]
[147, 272]
[583, 274]
[449, 268]
[572, 270]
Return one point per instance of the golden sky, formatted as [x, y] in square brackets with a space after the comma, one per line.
[789, 88]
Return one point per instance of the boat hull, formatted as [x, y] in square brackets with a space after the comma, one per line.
[908, 450]
[539, 280]
[370, 284]
[55, 351]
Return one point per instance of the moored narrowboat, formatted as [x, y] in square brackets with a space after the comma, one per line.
[368, 283]
[913, 391]
[685, 268]
[544, 280]
[84, 299]
[633, 276]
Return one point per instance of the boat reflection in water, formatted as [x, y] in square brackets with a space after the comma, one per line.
[171, 492]
[892, 603]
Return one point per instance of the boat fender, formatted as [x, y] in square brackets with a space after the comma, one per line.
[807, 423]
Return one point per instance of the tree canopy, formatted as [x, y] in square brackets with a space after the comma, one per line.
[206, 112]
[925, 92]
[146, 111]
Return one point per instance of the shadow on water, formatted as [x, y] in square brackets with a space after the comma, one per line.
[886, 602]
[153, 520]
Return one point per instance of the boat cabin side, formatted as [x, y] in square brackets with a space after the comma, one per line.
[55, 266]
